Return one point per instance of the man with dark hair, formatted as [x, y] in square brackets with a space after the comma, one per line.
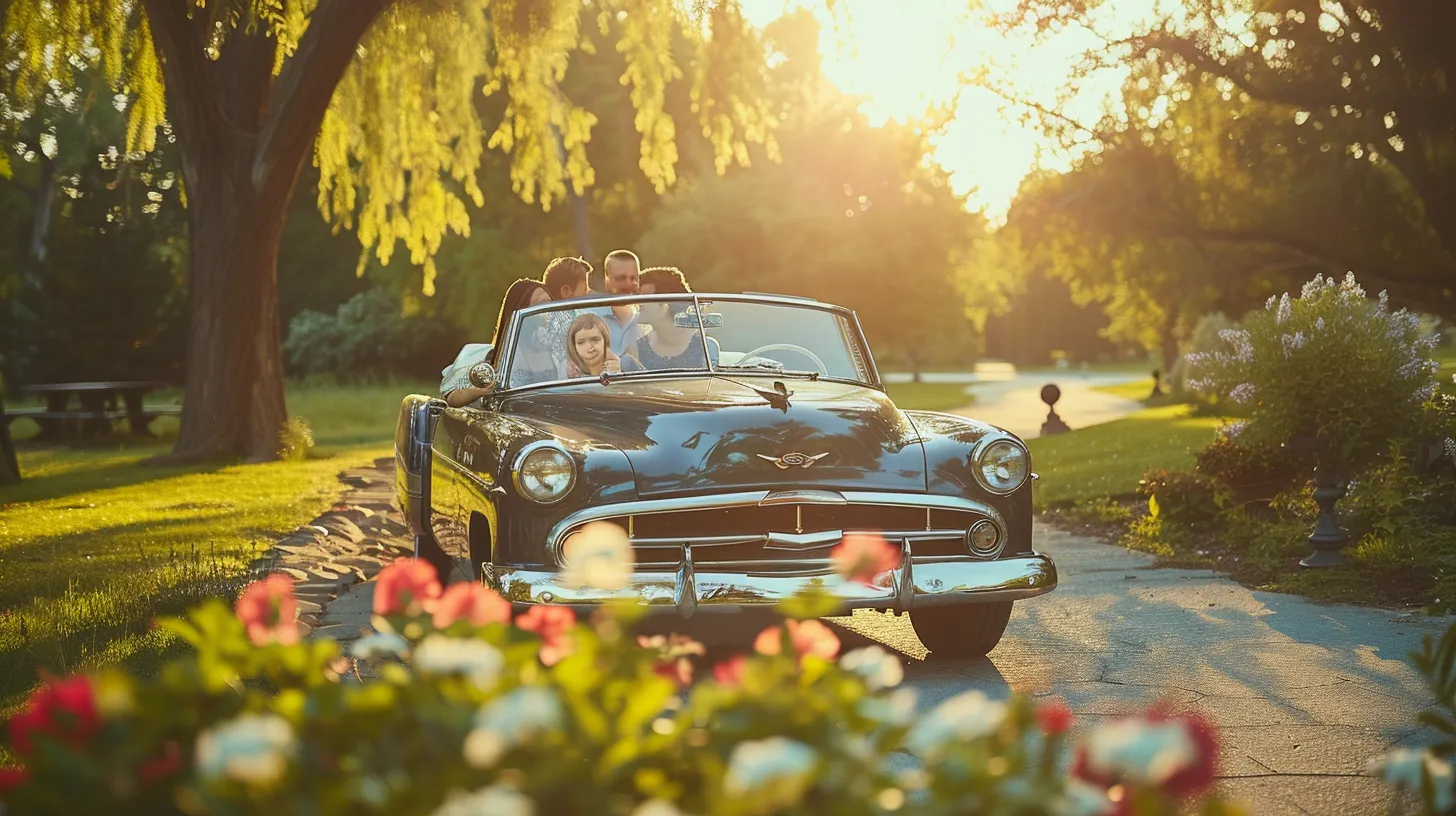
[565, 278]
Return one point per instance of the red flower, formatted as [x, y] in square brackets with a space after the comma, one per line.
[553, 624]
[862, 557]
[730, 672]
[65, 709]
[163, 766]
[12, 778]
[470, 602]
[808, 637]
[405, 587]
[1054, 718]
[268, 610]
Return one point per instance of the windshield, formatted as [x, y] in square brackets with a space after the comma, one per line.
[570, 340]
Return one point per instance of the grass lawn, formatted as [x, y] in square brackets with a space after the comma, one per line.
[1447, 358]
[94, 543]
[1109, 459]
[928, 396]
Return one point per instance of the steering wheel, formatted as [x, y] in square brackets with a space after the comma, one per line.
[823, 369]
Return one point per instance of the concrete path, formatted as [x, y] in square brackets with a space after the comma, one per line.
[1011, 399]
[1303, 694]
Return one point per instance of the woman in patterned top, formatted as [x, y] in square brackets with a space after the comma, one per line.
[667, 345]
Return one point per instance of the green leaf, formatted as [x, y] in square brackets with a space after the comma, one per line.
[1153, 506]
[809, 604]
[4, 166]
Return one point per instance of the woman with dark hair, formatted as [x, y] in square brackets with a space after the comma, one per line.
[532, 364]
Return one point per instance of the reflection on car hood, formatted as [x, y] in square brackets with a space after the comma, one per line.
[715, 434]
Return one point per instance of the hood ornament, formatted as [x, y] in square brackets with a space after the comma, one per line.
[794, 459]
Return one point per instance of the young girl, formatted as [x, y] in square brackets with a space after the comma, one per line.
[587, 354]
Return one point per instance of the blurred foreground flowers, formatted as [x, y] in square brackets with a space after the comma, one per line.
[477, 709]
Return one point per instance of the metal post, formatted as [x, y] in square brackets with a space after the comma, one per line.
[1054, 424]
[1328, 537]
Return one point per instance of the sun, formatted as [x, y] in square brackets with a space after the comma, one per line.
[907, 55]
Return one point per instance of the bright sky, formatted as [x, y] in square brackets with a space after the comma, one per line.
[905, 55]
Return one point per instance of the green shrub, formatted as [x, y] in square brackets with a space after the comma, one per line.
[1331, 364]
[1206, 339]
[1241, 464]
[295, 440]
[369, 339]
[1183, 496]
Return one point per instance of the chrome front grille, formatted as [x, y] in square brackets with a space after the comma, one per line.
[789, 530]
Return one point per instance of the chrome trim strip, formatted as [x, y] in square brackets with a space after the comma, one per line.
[691, 589]
[790, 541]
[750, 498]
[467, 472]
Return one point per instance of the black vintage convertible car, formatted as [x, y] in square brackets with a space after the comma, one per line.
[734, 467]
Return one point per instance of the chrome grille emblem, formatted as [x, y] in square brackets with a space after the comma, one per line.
[794, 459]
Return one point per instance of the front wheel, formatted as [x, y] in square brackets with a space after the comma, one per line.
[961, 631]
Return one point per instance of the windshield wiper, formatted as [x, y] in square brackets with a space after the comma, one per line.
[771, 371]
[606, 378]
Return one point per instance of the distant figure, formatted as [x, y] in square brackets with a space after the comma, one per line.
[1157, 384]
[1054, 424]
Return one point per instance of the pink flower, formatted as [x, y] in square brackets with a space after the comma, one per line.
[65, 709]
[1054, 718]
[861, 557]
[1141, 747]
[672, 656]
[808, 637]
[553, 624]
[268, 610]
[730, 672]
[470, 602]
[405, 587]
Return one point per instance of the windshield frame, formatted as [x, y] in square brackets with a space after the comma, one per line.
[856, 331]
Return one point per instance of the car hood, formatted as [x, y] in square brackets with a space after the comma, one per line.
[716, 433]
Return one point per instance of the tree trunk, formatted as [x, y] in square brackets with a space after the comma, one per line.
[233, 403]
[40, 230]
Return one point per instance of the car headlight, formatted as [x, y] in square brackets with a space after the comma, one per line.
[544, 472]
[1002, 466]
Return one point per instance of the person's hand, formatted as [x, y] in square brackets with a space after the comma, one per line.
[612, 366]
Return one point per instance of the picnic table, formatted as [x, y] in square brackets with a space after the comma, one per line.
[98, 405]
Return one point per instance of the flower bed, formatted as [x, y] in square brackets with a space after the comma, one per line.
[479, 710]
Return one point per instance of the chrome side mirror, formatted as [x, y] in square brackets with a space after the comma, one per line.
[482, 375]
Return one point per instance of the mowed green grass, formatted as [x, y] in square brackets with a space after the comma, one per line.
[1109, 459]
[1447, 358]
[95, 543]
[926, 396]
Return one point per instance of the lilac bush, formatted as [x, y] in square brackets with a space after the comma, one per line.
[1332, 362]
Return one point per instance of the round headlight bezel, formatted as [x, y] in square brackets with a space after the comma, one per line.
[543, 450]
[978, 460]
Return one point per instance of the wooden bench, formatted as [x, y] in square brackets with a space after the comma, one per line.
[101, 403]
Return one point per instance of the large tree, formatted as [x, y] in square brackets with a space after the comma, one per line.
[1309, 135]
[382, 93]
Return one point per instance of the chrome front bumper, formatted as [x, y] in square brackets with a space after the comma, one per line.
[688, 589]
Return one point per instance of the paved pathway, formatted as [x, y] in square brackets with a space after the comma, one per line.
[1011, 399]
[1303, 694]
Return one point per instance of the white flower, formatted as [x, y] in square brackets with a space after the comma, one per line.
[895, 709]
[1141, 751]
[1319, 324]
[1405, 768]
[483, 748]
[478, 660]
[1285, 308]
[1292, 343]
[1233, 429]
[879, 668]
[966, 716]
[379, 644]
[1081, 799]
[775, 771]
[598, 556]
[657, 807]
[1242, 393]
[522, 714]
[496, 800]
[253, 749]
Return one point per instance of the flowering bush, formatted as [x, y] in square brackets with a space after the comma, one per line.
[1183, 496]
[1331, 363]
[475, 711]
